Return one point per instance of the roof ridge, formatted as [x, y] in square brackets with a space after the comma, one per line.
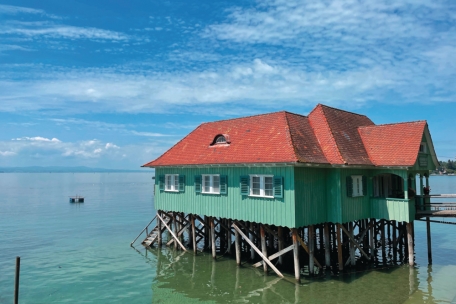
[394, 123]
[332, 134]
[242, 117]
[340, 110]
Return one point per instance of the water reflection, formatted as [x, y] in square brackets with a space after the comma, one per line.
[199, 278]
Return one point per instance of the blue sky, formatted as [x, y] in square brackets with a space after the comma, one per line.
[115, 83]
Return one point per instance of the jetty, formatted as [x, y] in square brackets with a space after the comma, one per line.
[286, 192]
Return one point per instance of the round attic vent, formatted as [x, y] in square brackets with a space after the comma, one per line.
[221, 139]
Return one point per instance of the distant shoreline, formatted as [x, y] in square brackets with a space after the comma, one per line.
[79, 169]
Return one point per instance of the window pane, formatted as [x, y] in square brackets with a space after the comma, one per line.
[207, 183]
[216, 184]
[176, 182]
[268, 186]
[255, 185]
[168, 182]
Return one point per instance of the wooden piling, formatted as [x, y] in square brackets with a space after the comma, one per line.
[351, 244]
[280, 240]
[297, 267]
[339, 248]
[410, 244]
[394, 242]
[159, 236]
[327, 247]
[237, 242]
[263, 246]
[429, 247]
[193, 234]
[214, 255]
[251, 236]
[16, 280]
[311, 231]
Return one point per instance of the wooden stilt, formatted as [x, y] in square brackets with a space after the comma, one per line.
[237, 241]
[194, 234]
[382, 236]
[159, 236]
[394, 242]
[251, 236]
[297, 267]
[327, 248]
[228, 236]
[372, 238]
[169, 229]
[275, 255]
[310, 231]
[351, 244]
[206, 233]
[280, 240]
[263, 246]
[429, 247]
[339, 248]
[214, 255]
[410, 244]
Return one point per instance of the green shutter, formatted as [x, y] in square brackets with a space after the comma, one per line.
[349, 186]
[364, 185]
[181, 183]
[198, 183]
[161, 182]
[278, 186]
[223, 184]
[245, 185]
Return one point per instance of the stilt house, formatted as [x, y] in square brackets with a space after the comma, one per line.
[284, 170]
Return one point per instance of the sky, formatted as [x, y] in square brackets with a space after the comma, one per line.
[114, 84]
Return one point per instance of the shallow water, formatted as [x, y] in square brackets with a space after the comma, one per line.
[80, 253]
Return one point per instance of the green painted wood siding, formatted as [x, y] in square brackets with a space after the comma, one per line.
[393, 209]
[310, 196]
[355, 208]
[273, 211]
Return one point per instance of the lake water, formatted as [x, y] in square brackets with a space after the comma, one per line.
[80, 253]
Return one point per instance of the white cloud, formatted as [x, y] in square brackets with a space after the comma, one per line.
[13, 10]
[111, 146]
[7, 153]
[38, 138]
[149, 134]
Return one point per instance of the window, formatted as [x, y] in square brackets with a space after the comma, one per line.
[356, 185]
[172, 182]
[211, 183]
[422, 148]
[221, 139]
[261, 185]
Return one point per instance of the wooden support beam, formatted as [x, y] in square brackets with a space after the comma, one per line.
[213, 238]
[263, 246]
[280, 240]
[223, 226]
[179, 233]
[297, 267]
[354, 242]
[410, 244]
[257, 250]
[169, 229]
[159, 236]
[428, 230]
[303, 245]
[251, 236]
[237, 241]
[194, 234]
[269, 230]
[327, 247]
[372, 238]
[310, 231]
[394, 242]
[339, 248]
[275, 255]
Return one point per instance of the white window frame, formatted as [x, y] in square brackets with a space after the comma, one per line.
[357, 182]
[211, 184]
[262, 185]
[172, 184]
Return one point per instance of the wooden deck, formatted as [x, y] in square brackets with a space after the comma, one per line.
[430, 210]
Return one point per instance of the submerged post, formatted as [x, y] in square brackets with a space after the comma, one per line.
[159, 225]
[339, 248]
[263, 247]
[310, 232]
[213, 238]
[297, 268]
[327, 248]
[193, 233]
[410, 244]
[16, 281]
[428, 228]
[237, 241]
[280, 234]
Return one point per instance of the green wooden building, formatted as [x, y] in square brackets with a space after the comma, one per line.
[282, 174]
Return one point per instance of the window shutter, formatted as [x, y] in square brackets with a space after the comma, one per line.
[198, 183]
[278, 186]
[223, 184]
[161, 182]
[364, 185]
[181, 183]
[349, 186]
[245, 185]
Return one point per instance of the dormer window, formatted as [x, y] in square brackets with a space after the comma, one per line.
[221, 139]
[422, 148]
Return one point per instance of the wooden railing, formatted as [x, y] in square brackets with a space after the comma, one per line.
[145, 229]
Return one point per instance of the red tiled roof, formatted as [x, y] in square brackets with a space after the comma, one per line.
[326, 136]
[393, 144]
[255, 139]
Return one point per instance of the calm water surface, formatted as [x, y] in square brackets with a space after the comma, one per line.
[80, 253]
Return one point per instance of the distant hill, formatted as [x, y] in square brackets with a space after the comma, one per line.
[58, 169]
